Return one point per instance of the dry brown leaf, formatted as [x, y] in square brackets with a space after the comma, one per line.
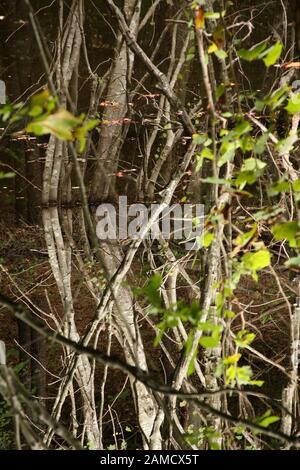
[290, 65]
[199, 18]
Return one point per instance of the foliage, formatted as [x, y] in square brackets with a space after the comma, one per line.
[243, 165]
[47, 118]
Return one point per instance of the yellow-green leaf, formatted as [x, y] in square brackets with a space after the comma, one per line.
[209, 342]
[258, 260]
[59, 124]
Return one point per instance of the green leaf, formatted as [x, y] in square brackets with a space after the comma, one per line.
[232, 359]
[241, 376]
[288, 231]
[267, 213]
[266, 419]
[190, 57]
[270, 420]
[242, 127]
[207, 153]
[214, 15]
[220, 53]
[296, 185]
[231, 374]
[210, 326]
[199, 163]
[228, 314]
[220, 91]
[191, 367]
[279, 187]
[151, 290]
[271, 55]
[245, 177]
[35, 111]
[273, 100]
[252, 169]
[80, 133]
[41, 103]
[19, 367]
[219, 301]
[293, 105]
[258, 260]
[278, 97]
[244, 338]
[228, 150]
[243, 239]
[40, 98]
[189, 342]
[91, 124]
[199, 139]
[213, 180]
[6, 111]
[227, 115]
[260, 144]
[6, 175]
[252, 164]
[209, 342]
[208, 239]
[253, 53]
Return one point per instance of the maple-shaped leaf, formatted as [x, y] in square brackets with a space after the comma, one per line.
[59, 124]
